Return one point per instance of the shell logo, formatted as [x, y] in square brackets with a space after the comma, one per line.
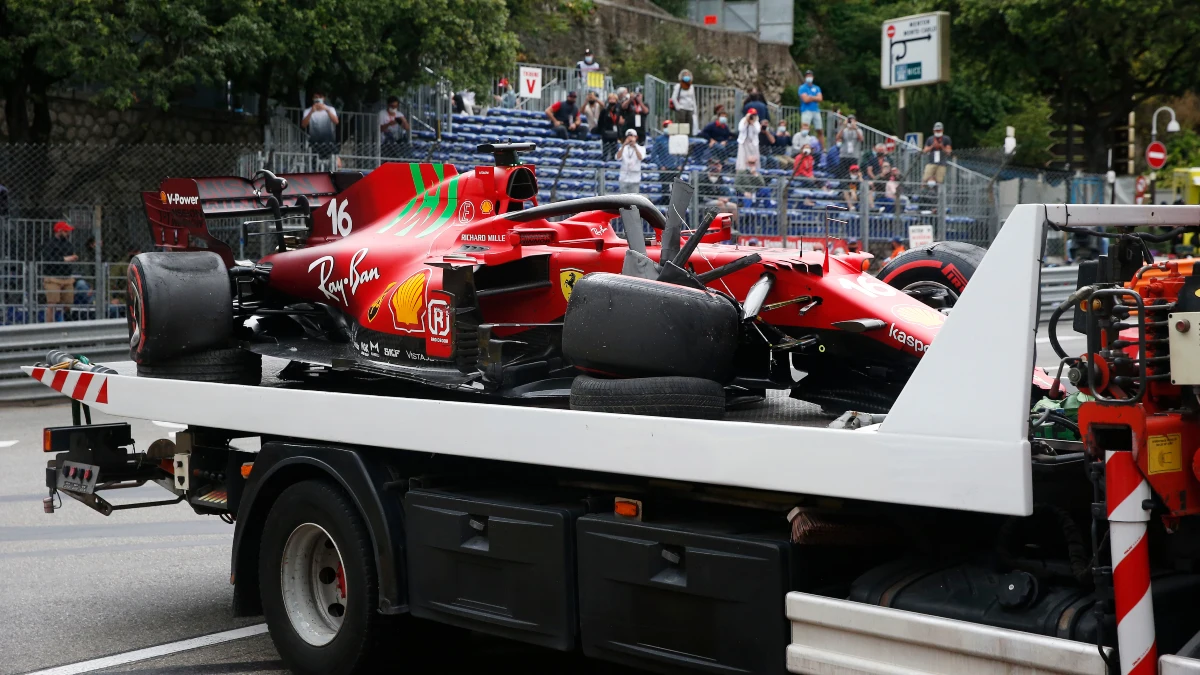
[485, 206]
[408, 303]
[922, 316]
[163, 196]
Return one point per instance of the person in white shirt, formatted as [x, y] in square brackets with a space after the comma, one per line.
[587, 65]
[630, 154]
[683, 100]
[321, 122]
[393, 128]
[748, 129]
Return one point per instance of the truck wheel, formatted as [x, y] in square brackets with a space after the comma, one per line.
[935, 274]
[226, 366]
[626, 326]
[320, 593]
[689, 397]
[177, 303]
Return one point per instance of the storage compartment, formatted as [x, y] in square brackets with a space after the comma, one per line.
[494, 563]
[678, 597]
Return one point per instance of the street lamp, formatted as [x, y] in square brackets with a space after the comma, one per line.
[1172, 126]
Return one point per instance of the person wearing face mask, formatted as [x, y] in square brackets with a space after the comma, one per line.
[321, 120]
[803, 138]
[783, 139]
[586, 65]
[803, 168]
[635, 112]
[683, 100]
[748, 130]
[850, 144]
[938, 151]
[591, 110]
[718, 134]
[810, 106]
[610, 124]
[393, 128]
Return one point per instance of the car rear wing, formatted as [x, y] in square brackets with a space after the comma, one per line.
[180, 210]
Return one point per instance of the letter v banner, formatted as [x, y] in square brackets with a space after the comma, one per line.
[530, 82]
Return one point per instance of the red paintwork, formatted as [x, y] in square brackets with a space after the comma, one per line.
[384, 256]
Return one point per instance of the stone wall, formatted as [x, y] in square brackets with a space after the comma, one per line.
[744, 61]
[77, 120]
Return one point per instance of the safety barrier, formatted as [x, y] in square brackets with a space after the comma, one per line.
[1057, 284]
[104, 340]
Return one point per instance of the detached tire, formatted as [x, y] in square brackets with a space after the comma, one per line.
[320, 593]
[632, 327]
[178, 303]
[224, 366]
[949, 264]
[688, 397]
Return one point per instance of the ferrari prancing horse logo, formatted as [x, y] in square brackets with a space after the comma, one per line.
[566, 280]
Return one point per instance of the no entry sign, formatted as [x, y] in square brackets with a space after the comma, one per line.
[1156, 155]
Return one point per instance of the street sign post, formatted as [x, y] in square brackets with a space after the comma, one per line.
[530, 85]
[1156, 155]
[916, 50]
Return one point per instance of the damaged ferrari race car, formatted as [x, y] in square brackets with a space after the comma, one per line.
[465, 282]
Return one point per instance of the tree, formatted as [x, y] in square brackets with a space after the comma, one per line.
[1097, 59]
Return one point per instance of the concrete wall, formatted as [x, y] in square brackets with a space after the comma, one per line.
[743, 59]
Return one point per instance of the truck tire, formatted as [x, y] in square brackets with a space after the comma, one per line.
[936, 273]
[688, 397]
[178, 303]
[320, 593]
[632, 327]
[225, 366]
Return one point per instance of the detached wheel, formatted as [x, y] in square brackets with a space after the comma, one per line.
[320, 592]
[689, 397]
[224, 366]
[935, 274]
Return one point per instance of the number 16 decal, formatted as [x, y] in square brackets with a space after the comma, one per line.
[338, 218]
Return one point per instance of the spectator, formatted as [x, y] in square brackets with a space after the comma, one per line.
[591, 111]
[718, 134]
[630, 155]
[766, 140]
[321, 121]
[564, 116]
[938, 148]
[783, 139]
[635, 110]
[897, 249]
[683, 101]
[610, 125]
[752, 242]
[586, 65]
[56, 276]
[804, 138]
[851, 193]
[507, 98]
[724, 204]
[464, 102]
[804, 163]
[850, 141]
[878, 166]
[757, 102]
[810, 106]
[749, 181]
[622, 95]
[748, 129]
[712, 183]
[852, 245]
[393, 128]
[892, 187]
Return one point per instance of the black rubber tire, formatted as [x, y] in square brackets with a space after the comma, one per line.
[178, 303]
[226, 366]
[631, 327]
[358, 643]
[956, 264]
[689, 397]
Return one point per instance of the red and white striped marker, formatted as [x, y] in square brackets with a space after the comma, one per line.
[81, 386]
[1125, 492]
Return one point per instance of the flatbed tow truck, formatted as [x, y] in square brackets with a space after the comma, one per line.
[949, 538]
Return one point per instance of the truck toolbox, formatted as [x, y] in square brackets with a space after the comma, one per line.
[494, 563]
[676, 597]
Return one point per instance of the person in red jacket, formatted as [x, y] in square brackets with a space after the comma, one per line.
[803, 167]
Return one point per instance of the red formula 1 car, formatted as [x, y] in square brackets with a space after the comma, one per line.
[463, 281]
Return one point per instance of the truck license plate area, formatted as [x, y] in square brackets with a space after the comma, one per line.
[77, 477]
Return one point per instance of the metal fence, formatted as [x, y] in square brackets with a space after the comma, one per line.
[556, 82]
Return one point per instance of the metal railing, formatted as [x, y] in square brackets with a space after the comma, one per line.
[100, 341]
[556, 82]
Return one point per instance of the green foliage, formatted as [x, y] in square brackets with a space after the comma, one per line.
[1031, 125]
[546, 17]
[663, 58]
[1183, 151]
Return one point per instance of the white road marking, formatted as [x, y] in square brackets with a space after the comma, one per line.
[7, 444]
[155, 652]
